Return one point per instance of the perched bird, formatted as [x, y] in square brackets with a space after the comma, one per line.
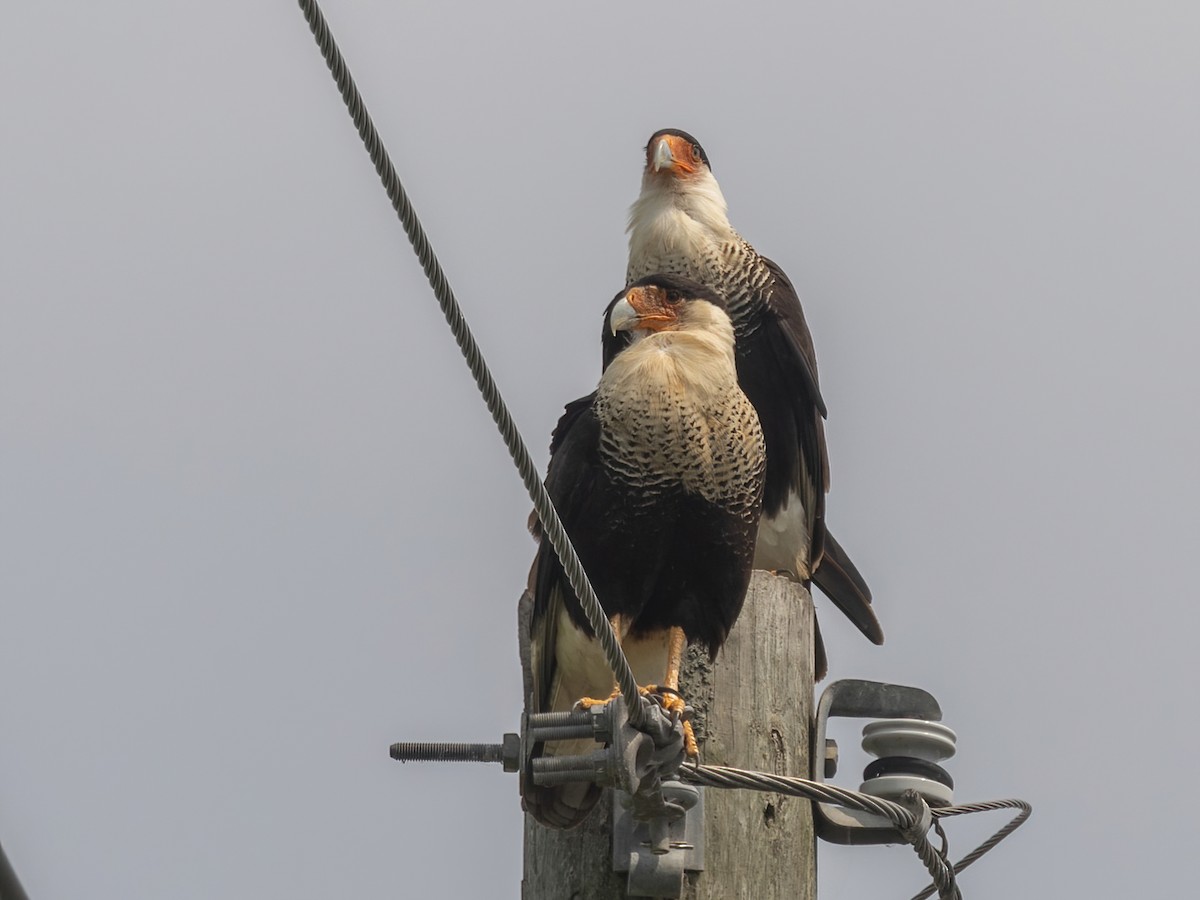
[679, 225]
[658, 480]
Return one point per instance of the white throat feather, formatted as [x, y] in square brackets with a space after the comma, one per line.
[674, 217]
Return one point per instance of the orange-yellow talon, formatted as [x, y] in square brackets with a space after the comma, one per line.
[689, 741]
[669, 700]
[589, 702]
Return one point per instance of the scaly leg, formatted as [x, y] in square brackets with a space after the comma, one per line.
[671, 700]
[621, 627]
[676, 645]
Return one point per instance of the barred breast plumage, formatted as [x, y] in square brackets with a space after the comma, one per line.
[663, 427]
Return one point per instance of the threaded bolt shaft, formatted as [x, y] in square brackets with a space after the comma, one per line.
[561, 732]
[547, 779]
[414, 751]
[588, 763]
[554, 719]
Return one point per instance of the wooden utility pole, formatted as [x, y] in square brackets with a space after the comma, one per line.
[754, 710]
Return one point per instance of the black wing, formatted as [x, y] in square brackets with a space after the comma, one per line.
[832, 569]
[777, 368]
[569, 481]
[572, 412]
[784, 302]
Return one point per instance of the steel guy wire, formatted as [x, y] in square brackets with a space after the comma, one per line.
[10, 884]
[944, 874]
[1024, 812]
[904, 820]
[728, 777]
[552, 527]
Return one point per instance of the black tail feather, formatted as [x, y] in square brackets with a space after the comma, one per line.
[820, 660]
[840, 581]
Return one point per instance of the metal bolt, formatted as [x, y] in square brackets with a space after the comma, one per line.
[831, 757]
[410, 751]
[553, 719]
[546, 779]
[511, 752]
[585, 763]
[561, 732]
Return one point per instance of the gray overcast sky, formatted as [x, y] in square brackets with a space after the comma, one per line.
[255, 523]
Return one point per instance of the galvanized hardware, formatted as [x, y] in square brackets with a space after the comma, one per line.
[657, 852]
[854, 698]
[658, 821]
[632, 759]
[508, 752]
[831, 757]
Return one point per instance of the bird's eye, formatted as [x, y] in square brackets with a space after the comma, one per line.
[674, 297]
[697, 153]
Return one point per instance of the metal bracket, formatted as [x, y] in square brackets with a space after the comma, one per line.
[631, 760]
[655, 853]
[854, 698]
[658, 821]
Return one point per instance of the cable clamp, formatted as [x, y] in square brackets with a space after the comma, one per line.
[658, 821]
[922, 814]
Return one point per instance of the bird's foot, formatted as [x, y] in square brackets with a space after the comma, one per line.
[644, 690]
[584, 703]
[672, 701]
[669, 699]
[589, 702]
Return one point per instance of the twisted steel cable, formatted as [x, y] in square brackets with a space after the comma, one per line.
[939, 869]
[943, 873]
[726, 777]
[904, 820]
[552, 527]
[1024, 811]
[10, 884]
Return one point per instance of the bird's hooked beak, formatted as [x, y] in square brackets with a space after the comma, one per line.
[671, 155]
[623, 317]
[642, 308]
[663, 158]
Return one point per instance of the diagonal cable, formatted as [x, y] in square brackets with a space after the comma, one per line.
[10, 885]
[1024, 811]
[942, 871]
[551, 525]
